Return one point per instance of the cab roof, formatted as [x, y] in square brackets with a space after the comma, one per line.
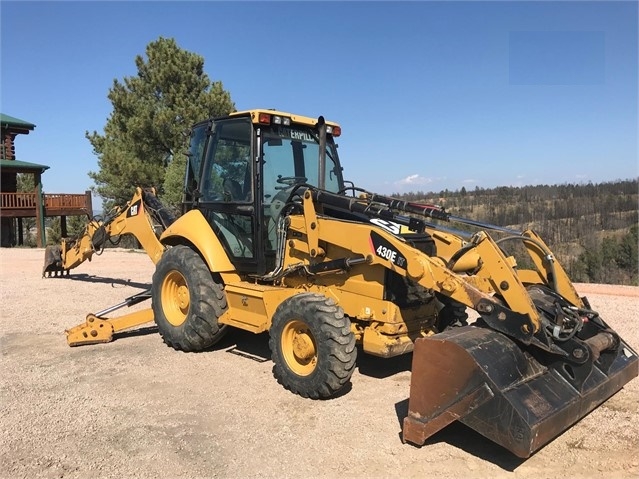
[304, 120]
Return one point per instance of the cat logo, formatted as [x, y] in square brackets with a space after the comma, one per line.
[387, 225]
[134, 210]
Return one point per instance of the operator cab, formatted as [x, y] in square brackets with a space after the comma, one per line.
[242, 169]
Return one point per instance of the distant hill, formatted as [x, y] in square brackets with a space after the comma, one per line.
[592, 228]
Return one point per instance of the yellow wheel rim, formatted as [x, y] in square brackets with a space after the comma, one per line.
[175, 298]
[299, 348]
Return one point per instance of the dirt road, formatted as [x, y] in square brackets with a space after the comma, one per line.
[135, 408]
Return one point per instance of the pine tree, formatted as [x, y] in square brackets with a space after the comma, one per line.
[152, 112]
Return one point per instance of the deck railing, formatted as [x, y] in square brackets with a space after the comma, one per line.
[52, 201]
[15, 201]
[57, 201]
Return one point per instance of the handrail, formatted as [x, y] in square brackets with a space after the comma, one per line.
[59, 201]
[18, 200]
[52, 201]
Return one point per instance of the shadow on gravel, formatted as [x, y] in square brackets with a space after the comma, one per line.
[462, 437]
[100, 279]
[136, 332]
[383, 367]
[245, 344]
[255, 348]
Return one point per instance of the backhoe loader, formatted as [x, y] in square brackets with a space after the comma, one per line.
[273, 239]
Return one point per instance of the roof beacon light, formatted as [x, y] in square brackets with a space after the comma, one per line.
[264, 118]
[333, 130]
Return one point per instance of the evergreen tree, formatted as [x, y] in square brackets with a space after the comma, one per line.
[75, 227]
[146, 131]
[54, 231]
[627, 253]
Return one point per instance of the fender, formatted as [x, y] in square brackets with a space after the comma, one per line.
[194, 228]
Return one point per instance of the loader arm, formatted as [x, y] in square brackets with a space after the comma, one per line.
[514, 314]
[380, 247]
[139, 218]
[537, 307]
[538, 360]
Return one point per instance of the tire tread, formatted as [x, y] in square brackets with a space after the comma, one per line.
[201, 329]
[336, 347]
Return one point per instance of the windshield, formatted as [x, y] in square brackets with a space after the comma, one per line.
[293, 152]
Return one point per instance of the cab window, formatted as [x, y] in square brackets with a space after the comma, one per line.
[228, 178]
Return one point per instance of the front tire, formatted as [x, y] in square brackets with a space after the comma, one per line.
[187, 302]
[312, 346]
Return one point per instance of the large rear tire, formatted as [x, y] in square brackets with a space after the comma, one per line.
[312, 346]
[187, 301]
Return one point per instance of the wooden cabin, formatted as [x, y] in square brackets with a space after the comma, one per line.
[16, 205]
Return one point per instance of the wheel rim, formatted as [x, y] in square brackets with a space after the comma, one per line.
[175, 298]
[299, 348]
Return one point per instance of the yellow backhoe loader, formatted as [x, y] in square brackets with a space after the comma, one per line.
[273, 239]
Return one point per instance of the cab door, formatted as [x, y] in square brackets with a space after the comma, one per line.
[195, 154]
[226, 190]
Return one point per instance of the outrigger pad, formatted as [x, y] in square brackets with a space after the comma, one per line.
[485, 380]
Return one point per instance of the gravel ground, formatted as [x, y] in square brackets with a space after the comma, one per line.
[136, 408]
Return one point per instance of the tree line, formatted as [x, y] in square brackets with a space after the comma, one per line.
[592, 228]
[598, 244]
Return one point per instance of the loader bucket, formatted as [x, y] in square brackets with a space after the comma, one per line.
[52, 261]
[483, 379]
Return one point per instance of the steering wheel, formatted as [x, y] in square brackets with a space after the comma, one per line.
[282, 196]
[289, 181]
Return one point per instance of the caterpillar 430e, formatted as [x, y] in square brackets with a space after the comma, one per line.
[273, 239]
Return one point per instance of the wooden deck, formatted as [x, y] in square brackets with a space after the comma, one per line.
[24, 205]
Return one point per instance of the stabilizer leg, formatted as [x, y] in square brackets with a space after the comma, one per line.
[98, 329]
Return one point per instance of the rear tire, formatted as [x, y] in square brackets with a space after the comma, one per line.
[187, 302]
[312, 346]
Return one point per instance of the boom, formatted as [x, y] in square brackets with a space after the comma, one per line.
[141, 217]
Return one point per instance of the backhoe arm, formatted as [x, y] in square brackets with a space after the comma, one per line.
[136, 218]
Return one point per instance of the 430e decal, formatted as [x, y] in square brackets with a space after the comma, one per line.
[385, 250]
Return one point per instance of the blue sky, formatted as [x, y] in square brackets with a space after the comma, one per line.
[430, 95]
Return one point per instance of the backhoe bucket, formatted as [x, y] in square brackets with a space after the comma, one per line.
[53, 261]
[485, 380]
